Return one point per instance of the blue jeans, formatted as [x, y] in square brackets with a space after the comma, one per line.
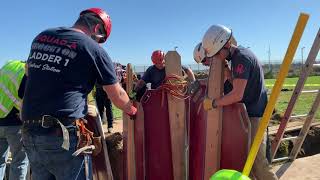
[10, 139]
[48, 160]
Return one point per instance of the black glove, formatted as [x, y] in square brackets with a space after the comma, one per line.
[193, 87]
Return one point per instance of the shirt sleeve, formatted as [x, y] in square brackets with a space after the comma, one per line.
[241, 68]
[147, 75]
[105, 69]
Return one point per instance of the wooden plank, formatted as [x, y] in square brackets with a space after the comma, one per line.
[304, 131]
[128, 129]
[213, 120]
[177, 119]
[139, 142]
[303, 77]
[292, 126]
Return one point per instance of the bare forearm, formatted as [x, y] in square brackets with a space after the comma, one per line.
[119, 97]
[191, 76]
[230, 98]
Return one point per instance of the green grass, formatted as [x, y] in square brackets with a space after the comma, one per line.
[305, 100]
[313, 82]
[117, 113]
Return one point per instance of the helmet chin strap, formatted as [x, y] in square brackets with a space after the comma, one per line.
[228, 58]
[99, 38]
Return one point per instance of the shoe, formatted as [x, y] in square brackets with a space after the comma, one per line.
[110, 130]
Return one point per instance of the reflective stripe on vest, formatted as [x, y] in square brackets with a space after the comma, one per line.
[11, 96]
[4, 109]
[12, 76]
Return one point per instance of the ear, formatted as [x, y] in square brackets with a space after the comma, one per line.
[228, 44]
[96, 28]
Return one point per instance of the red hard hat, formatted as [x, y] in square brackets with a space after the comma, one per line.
[103, 16]
[157, 56]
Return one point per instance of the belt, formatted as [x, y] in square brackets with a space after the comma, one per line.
[47, 121]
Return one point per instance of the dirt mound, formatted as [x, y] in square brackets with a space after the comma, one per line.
[115, 150]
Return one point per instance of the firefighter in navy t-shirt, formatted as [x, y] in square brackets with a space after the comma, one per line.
[156, 74]
[63, 66]
[247, 79]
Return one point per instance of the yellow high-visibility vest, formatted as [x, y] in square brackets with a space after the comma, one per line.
[11, 75]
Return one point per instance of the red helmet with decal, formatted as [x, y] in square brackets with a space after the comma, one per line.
[157, 57]
[105, 19]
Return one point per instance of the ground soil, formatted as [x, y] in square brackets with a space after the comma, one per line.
[115, 149]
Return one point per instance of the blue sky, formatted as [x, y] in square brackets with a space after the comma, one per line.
[141, 26]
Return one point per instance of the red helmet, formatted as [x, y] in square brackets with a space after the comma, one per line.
[103, 16]
[157, 56]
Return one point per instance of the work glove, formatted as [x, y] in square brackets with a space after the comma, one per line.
[132, 113]
[209, 104]
[92, 110]
[193, 87]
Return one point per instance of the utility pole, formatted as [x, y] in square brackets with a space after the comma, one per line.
[269, 55]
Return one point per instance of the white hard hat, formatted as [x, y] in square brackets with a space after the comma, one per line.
[233, 41]
[198, 53]
[215, 39]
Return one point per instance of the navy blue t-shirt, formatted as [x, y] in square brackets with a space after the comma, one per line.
[155, 76]
[63, 67]
[245, 65]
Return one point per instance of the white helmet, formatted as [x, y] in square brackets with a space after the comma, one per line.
[198, 53]
[233, 41]
[215, 39]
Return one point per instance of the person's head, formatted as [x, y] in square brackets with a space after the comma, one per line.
[157, 58]
[216, 42]
[96, 23]
[199, 55]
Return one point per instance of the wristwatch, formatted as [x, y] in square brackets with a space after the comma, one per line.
[214, 104]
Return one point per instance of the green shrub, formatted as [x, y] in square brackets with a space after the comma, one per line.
[269, 75]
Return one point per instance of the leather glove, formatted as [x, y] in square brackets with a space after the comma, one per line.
[92, 110]
[209, 104]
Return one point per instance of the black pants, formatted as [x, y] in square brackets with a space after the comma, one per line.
[104, 102]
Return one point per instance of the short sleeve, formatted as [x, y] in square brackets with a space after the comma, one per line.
[241, 68]
[105, 69]
[147, 75]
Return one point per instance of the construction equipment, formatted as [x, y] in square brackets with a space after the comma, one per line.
[287, 115]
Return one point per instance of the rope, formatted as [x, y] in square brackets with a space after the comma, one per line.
[176, 86]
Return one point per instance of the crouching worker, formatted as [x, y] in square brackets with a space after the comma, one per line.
[55, 102]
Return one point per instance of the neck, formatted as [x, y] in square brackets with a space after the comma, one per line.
[80, 29]
[232, 49]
